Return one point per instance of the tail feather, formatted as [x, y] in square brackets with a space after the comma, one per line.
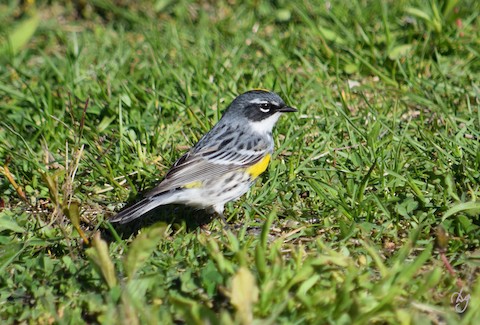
[140, 208]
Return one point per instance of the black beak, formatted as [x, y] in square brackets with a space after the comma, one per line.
[286, 109]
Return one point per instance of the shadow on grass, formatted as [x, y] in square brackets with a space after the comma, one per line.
[193, 218]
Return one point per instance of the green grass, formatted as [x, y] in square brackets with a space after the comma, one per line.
[99, 99]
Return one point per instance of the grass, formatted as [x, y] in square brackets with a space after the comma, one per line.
[347, 225]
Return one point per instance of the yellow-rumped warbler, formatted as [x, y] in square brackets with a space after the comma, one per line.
[223, 165]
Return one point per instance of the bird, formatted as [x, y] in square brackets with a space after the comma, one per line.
[224, 163]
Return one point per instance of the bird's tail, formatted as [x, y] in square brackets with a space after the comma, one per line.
[140, 208]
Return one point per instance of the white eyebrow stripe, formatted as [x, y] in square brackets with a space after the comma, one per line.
[258, 101]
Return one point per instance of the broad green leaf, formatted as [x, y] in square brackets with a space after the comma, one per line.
[99, 255]
[418, 13]
[8, 253]
[7, 223]
[400, 51]
[73, 213]
[142, 247]
[22, 33]
[244, 295]
[468, 207]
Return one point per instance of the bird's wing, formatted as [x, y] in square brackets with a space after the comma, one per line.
[208, 163]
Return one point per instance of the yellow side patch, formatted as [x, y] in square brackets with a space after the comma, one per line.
[259, 167]
[261, 89]
[195, 184]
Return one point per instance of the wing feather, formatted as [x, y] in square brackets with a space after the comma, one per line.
[203, 165]
[217, 153]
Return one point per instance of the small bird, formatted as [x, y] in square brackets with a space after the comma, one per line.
[224, 164]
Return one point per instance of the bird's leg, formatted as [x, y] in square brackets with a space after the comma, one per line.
[225, 225]
[219, 210]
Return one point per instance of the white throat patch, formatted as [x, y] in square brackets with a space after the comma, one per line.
[266, 125]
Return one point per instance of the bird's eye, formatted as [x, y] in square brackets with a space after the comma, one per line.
[265, 108]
